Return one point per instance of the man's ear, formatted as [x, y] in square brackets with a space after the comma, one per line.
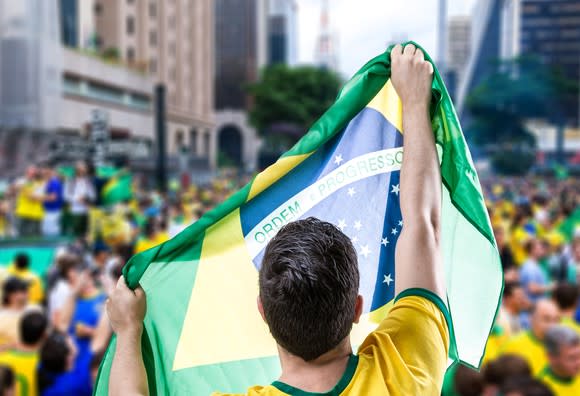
[358, 308]
[261, 308]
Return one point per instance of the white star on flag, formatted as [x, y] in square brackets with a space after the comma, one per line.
[384, 241]
[388, 279]
[357, 225]
[338, 159]
[395, 189]
[394, 232]
[365, 251]
[351, 191]
[341, 224]
[401, 223]
[354, 240]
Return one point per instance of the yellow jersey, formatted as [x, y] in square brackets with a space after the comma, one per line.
[405, 355]
[560, 386]
[146, 243]
[571, 323]
[35, 289]
[24, 365]
[529, 347]
[27, 206]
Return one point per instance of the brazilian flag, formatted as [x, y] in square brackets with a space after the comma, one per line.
[202, 330]
[118, 188]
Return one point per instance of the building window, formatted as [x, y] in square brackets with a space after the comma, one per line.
[173, 74]
[193, 141]
[152, 9]
[206, 144]
[129, 1]
[179, 140]
[98, 8]
[130, 54]
[152, 66]
[130, 25]
[172, 48]
[153, 38]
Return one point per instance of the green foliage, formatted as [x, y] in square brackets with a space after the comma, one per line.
[295, 95]
[513, 161]
[111, 53]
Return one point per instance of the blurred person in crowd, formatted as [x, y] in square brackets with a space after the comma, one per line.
[507, 259]
[562, 374]
[68, 267]
[100, 257]
[152, 236]
[534, 278]
[83, 310]
[176, 219]
[464, 382]
[80, 193]
[528, 344]
[7, 382]
[24, 357]
[14, 302]
[526, 387]
[522, 231]
[566, 297]
[53, 202]
[57, 374]
[29, 203]
[513, 316]
[95, 365]
[20, 268]
[497, 372]
[5, 226]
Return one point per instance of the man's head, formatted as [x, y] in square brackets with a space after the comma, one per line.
[500, 370]
[544, 315]
[22, 261]
[7, 381]
[536, 249]
[525, 386]
[68, 266]
[33, 327]
[566, 296]
[31, 172]
[57, 353]
[563, 349]
[309, 283]
[15, 293]
[514, 297]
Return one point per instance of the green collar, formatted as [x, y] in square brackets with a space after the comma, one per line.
[535, 339]
[547, 371]
[337, 390]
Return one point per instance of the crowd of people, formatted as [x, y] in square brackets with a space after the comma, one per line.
[53, 330]
[54, 333]
[534, 346]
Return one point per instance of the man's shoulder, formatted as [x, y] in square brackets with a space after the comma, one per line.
[257, 390]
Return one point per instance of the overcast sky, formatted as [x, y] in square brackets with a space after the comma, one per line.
[364, 27]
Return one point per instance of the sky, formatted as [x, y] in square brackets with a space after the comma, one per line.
[364, 27]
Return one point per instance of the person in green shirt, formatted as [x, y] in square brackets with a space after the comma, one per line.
[562, 374]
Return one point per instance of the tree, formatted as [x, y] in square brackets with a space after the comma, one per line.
[521, 89]
[292, 95]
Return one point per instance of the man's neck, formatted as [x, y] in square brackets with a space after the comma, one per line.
[26, 348]
[319, 375]
[569, 313]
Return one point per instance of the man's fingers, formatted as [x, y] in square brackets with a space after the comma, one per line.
[397, 49]
[139, 292]
[419, 56]
[409, 49]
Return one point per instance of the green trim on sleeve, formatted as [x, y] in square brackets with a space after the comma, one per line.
[336, 391]
[547, 372]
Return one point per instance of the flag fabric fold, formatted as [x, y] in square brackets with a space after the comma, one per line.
[202, 330]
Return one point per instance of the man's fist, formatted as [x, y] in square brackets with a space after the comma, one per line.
[411, 75]
[126, 308]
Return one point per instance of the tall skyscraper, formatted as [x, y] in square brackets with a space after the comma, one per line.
[326, 46]
[442, 39]
[282, 32]
[549, 30]
[459, 43]
[173, 41]
[77, 23]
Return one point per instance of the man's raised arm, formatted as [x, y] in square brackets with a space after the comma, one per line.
[419, 264]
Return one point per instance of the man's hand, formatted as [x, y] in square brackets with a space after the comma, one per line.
[411, 76]
[126, 309]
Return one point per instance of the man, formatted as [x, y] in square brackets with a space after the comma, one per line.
[533, 277]
[309, 281]
[512, 313]
[24, 358]
[29, 211]
[21, 269]
[14, 301]
[53, 202]
[566, 297]
[80, 194]
[528, 344]
[562, 374]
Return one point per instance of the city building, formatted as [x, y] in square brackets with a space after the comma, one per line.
[549, 30]
[77, 23]
[172, 41]
[282, 32]
[241, 50]
[326, 45]
[459, 43]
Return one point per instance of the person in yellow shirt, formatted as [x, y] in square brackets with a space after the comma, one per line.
[29, 203]
[529, 344]
[23, 359]
[20, 269]
[562, 374]
[309, 282]
[566, 296]
[152, 236]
